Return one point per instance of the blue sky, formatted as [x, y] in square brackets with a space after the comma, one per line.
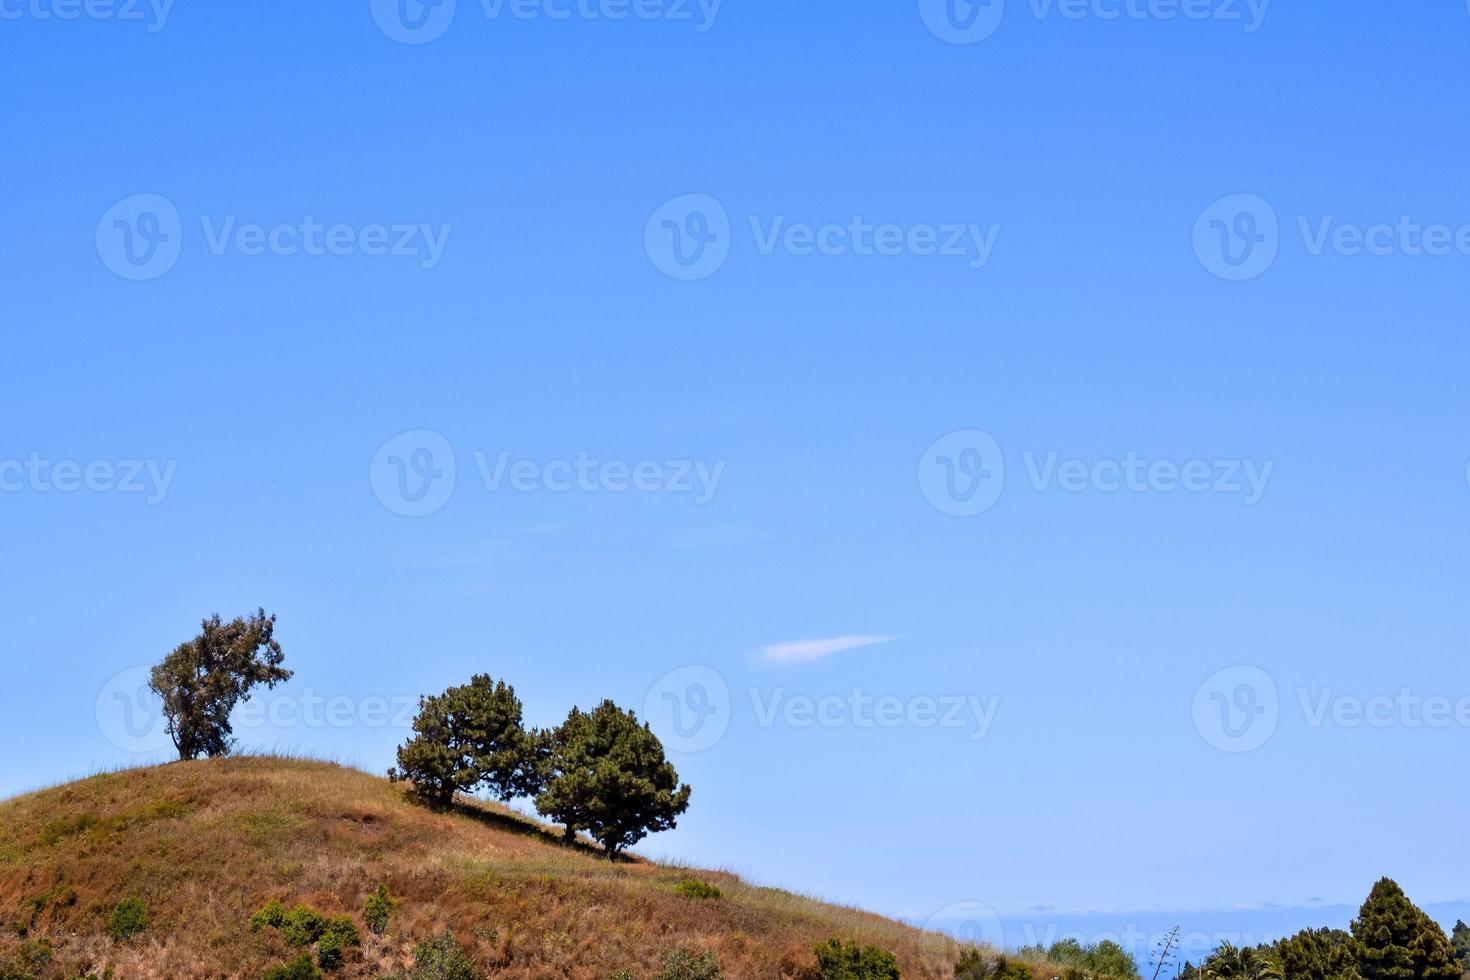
[1025, 474]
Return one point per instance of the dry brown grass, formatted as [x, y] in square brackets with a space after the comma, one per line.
[205, 844]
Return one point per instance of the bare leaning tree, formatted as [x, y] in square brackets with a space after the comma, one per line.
[1164, 952]
[203, 680]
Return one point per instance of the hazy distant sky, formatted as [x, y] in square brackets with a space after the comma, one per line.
[926, 564]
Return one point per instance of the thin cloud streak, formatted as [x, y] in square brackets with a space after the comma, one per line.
[804, 651]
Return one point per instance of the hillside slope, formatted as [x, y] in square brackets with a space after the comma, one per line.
[205, 844]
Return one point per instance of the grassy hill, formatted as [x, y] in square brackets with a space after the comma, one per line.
[203, 845]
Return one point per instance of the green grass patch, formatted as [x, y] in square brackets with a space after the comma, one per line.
[691, 888]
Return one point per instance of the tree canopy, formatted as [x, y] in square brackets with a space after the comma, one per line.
[606, 774]
[1396, 940]
[470, 737]
[203, 680]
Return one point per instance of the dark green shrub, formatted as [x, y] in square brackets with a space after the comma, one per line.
[378, 909]
[338, 936]
[442, 958]
[972, 965]
[300, 968]
[1010, 970]
[128, 919]
[681, 964]
[330, 952]
[303, 926]
[343, 930]
[837, 960]
[271, 916]
[698, 889]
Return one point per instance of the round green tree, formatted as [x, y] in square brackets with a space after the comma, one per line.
[606, 774]
[470, 737]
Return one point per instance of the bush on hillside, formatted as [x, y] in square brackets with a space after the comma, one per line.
[27, 962]
[338, 936]
[1102, 959]
[837, 960]
[698, 889]
[683, 964]
[300, 968]
[271, 916]
[443, 958]
[128, 919]
[378, 909]
[975, 965]
[303, 926]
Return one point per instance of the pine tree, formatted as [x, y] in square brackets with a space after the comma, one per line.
[1460, 939]
[607, 774]
[1318, 954]
[470, 737]
[1395, 940]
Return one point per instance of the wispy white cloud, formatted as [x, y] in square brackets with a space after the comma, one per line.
[802, 651]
